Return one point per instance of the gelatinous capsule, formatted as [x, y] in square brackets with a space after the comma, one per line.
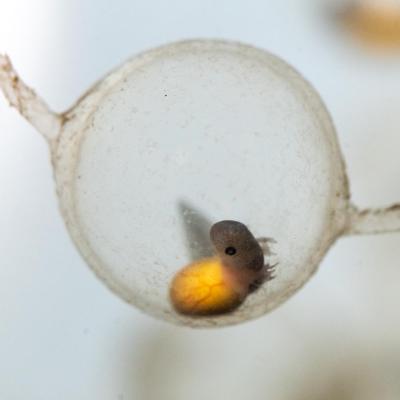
[220, 284]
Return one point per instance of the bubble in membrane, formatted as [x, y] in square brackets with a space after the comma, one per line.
[186, 135]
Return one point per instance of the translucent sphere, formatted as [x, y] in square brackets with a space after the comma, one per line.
[181, 137]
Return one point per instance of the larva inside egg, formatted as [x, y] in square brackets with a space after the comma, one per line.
[135, 154]
[220, 284]
[227, 127]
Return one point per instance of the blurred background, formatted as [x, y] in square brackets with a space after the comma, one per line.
[63, 335]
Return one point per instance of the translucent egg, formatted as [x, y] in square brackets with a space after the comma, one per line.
[183, 136]
[376, 23]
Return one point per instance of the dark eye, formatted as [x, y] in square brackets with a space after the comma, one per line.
[230, 251]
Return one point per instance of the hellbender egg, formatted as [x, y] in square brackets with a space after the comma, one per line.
[180, 137]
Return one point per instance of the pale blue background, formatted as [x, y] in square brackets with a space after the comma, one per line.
[64, 336]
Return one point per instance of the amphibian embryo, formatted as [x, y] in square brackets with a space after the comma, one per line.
[219, 284]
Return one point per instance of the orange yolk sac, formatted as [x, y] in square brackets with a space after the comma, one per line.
[205, 288]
